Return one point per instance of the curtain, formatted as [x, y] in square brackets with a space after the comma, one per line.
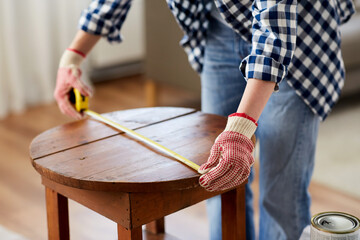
[34, 34]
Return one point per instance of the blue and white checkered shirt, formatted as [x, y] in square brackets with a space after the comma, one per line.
[297, 39]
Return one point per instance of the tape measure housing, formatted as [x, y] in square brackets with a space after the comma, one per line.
[81, 102]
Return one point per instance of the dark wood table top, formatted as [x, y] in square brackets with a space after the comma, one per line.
[90, 155]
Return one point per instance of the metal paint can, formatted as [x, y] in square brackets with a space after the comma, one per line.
[334, 226]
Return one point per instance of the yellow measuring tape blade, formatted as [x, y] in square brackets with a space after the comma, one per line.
[143, 139]
[82, 105]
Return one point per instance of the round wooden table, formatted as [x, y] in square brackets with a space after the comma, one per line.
[126, 180]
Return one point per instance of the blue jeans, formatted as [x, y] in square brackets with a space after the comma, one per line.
[287, 134]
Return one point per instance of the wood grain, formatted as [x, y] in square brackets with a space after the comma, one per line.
[57, 215]
[100, 202]
[157, 226]
[149, 185]
[119, 163]
[132, 209]
[147, 207]
[85, 131]
[129, 234]
[233, 208]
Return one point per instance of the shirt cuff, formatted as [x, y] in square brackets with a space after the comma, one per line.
[263, 68]
[95, 24]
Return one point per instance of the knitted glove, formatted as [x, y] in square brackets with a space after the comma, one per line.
[231, 155]
[68, 77]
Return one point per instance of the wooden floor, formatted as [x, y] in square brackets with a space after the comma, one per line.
[22, 204]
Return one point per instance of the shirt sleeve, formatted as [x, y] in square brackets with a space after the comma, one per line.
[105, 18]
[273, 40]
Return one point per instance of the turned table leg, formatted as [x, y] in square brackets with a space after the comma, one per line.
[233, 214]
[129, 234]
[57, 215]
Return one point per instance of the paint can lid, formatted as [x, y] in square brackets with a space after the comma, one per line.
[335, 222]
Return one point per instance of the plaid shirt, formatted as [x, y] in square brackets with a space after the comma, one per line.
[296, 39]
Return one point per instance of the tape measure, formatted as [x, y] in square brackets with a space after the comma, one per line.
[82, 105]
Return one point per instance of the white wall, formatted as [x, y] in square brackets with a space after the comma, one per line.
[35, 33]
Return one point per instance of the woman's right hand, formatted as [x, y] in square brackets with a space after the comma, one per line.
[69, 77]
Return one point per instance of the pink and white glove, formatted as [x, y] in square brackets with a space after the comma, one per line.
[231, 155]
[69, 77]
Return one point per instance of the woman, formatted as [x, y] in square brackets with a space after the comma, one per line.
[244, 50]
